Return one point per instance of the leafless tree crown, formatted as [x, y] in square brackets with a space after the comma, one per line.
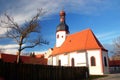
[22, 33]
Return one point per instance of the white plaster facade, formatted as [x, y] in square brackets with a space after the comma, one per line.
[97, 70]
[106, 68]
[60, 38]
[83, 58]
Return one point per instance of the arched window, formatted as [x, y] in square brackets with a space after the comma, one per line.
[72, 62]
[59, 62]
[93, 61]
[105, 61]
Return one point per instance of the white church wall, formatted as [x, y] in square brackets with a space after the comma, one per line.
[61, 38]
[54, 60]
[79, 58]
[50, 61]
[64, 59]
[72, 55]
[106, 67]
[95, 70]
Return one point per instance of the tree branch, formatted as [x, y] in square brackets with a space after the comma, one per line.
[22, 33]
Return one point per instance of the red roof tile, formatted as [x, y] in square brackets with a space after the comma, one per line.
[114, 63]
[8, 57]
[83, 40]
[25, 59]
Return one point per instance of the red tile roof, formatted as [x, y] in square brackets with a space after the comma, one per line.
[114, 63]
[83, 40]
[8, 58]
[25, 59]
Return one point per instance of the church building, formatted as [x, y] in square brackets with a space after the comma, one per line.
[78, 49]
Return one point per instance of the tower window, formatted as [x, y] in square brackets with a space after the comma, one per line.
[58, 36]
[93, 61]
[62, 36]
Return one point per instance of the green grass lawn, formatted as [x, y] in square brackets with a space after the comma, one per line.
[96, 76]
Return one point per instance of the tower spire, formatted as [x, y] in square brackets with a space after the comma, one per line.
[62, 26]
[62, 30]
[62, 16]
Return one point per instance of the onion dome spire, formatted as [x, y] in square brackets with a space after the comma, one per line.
[62, 26]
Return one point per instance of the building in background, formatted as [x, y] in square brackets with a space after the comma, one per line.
[36, 59]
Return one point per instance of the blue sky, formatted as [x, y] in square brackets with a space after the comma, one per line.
[102, 16]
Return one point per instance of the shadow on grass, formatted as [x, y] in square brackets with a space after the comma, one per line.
[92, 77]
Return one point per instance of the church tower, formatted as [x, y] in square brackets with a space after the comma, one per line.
[62, 30]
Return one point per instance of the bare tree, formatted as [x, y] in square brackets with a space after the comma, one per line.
[116, 50]
[26, 35]
[117, 44]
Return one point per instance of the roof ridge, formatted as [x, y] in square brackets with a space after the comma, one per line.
[80, 31]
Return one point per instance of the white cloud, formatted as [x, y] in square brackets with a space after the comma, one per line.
[106, 34]
[24, 9]
[40, 52]
[107, 37]
[10, 49]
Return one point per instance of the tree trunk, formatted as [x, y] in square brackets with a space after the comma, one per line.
[18, 56]
[19, 50]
